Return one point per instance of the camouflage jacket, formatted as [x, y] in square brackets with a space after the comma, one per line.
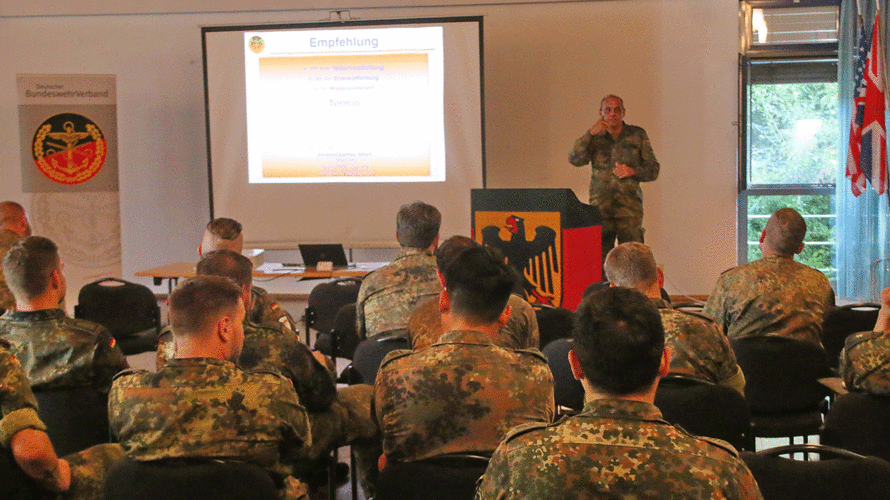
[269, 349]
[698, 346]
[613, 196]
[208, 408]
[388, 295]
[57, 351]
[865, 363]
[614, 449]
[772, 295]
[265, 311]
[520, 332]
[18, 407]
[7, 240]
[461, 394]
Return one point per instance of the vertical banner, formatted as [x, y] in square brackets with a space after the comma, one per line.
[68, 136]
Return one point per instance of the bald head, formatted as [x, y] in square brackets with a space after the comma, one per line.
[632, 265]
[14, 218]
[784, 233]
[222, 234]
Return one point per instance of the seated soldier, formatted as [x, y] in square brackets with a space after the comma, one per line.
[56, 350]
[774, 295]
[14, 226]
[225, 234]
[22, 432]
[201, 404]
[462, 394]
[865, 360]
[425, 322]
[619, 446]
[698, 346]
[337, 417]
[388, 295]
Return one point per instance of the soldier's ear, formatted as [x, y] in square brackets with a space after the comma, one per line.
[444, 302]
[577, 372]
[223, 328]
[505, 315]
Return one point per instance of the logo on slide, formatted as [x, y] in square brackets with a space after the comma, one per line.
[256, 44]
[69, 148]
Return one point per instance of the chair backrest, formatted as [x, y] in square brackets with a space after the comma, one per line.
[554, 323]
[449, 477]
[854, 478]
[205, 480]
[14, 483]
[344, 335]
[781, 373]
[124, 308]
[567, 391]
[841, 322]
[326, 299]
[859, 422]
[76, 418]
[705, 409]
[370, 353]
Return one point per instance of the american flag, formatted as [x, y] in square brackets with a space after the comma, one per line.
[873, 159]
[857, 179]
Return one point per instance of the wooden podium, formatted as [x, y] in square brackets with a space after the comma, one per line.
[552, 239]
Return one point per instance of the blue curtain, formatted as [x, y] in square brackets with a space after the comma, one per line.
[863, 252]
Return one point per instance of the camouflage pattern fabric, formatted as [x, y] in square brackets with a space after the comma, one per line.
[18, 407]
[7, 240]
[388, 295]
[698, 346]
[614, 449]
[520, 332]
[617, 198]
[208, 408]
[266, 311]
[89, 469]
[57, 351]
[865, 363]
[772, 295]
[461, 394]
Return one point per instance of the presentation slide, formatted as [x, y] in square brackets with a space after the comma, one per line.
[342, 106]
[319, 132]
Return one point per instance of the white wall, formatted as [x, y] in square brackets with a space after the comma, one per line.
[546, 67]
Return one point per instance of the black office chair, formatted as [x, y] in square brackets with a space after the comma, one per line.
[128, 310]
[859, 422]
[370, 353]
[838, 474]
[781, 387]
[705, 409]
[324, 302]
[841, 322]
[76, 418]
[189, 480]
[446, 477]
[567, 391]
[14, 483]
[342, 339]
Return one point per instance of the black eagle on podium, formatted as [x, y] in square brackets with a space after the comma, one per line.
[534, 260]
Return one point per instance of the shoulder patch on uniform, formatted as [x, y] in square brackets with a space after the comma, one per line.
[524, 429]
[129, 371]
[394, 355]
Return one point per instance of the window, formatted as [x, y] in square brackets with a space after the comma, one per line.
[789, 140]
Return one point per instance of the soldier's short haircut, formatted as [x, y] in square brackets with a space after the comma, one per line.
[417, 224]
[611, 96]
[198, 301]
[785, 231]
[224, 229]
[228, 264]
[478, 283]
[28, 266]
[452, 247]
[11, 211]
[631, 265]
[619, 340]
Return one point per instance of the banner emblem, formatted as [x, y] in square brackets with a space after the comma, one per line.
[69, 148]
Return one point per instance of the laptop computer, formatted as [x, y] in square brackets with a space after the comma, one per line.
[328, 252]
